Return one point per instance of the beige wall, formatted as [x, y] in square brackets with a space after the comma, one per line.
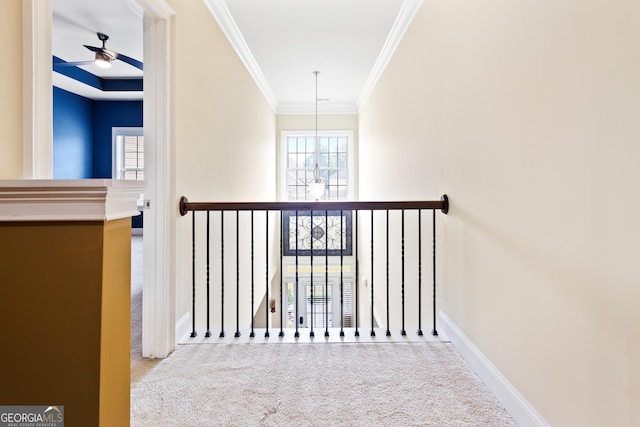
[224, 133]
[11, 89]
[526, 114]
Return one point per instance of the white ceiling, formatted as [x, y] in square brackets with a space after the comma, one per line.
[76, 22]
[280, 41]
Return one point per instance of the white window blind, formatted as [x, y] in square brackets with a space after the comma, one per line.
[133, 157]
[128, 156]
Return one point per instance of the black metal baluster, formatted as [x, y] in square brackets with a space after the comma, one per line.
[420, 272]
[298, 321]
[193, 275]
[252, 334]
[311, 334]
[237, 334]
[222, 274]
[373, 332]
[282, 312]
[266, 279]
[326, 274]
[434, 331]
[403, 331]
[341, 277]
[357, 284]
[388, 333]
[208, 333]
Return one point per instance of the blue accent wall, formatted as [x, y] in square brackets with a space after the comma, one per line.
[82, 133]
[72, 136]
[107, 115]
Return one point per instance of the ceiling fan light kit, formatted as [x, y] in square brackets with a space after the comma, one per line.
[103, 60]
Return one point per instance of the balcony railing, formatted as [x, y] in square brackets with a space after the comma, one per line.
[305, 254]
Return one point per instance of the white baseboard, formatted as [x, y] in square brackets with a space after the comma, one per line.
[183, 327]
[517, 406]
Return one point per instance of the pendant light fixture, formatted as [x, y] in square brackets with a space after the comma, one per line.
[316, 187]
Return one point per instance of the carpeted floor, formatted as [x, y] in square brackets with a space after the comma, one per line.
[139, 365]
[311, 384]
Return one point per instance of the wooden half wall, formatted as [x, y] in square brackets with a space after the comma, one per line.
[65, 305]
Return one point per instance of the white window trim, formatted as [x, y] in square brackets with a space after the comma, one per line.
[282, 173]
[116, 152]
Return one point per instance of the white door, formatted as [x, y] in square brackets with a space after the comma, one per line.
[320, 306]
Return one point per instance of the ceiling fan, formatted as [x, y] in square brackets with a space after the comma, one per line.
[104, 56]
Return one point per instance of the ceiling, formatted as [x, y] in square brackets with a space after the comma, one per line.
[75, 23]
[281, 43]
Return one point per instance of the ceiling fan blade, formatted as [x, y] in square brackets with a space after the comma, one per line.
[92, 48]
[130, 61]
[72, 64]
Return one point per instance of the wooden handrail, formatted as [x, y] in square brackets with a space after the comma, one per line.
[187, 206]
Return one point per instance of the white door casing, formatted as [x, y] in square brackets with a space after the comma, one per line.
[37, 105]
[158, 293]
[158, 335]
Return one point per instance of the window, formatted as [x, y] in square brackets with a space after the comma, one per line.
[128, 162]
[318, 303]
[333, 154]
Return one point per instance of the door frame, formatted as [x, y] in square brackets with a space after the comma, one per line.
[158, 311]
[159, 230]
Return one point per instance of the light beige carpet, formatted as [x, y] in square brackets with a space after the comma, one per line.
[139, 365]
[317, 384]
[314, 385]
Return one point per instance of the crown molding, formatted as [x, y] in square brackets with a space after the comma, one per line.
[68, 200]
[222, 15]
[403, 21]
[308, 108]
